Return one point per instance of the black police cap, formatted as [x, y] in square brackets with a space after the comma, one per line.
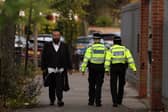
[117, 38]
[96, 36]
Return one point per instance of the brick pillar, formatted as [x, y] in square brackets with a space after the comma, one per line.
[157, 53]
[143, 57]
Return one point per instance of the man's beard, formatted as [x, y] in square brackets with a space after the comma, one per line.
[56, 41]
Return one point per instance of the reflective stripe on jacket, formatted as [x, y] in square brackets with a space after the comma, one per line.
[119, 54]
[94, 54]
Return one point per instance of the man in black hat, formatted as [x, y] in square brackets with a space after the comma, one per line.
[55, 63]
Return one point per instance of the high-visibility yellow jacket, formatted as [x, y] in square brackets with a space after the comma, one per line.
[119, 54]
[94, 54]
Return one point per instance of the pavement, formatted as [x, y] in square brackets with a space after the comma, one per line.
[76, 99]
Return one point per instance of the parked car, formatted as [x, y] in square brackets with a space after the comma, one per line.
[20, 41]
[31, 51]
[19, 45]
[82, 43]
[41, 40]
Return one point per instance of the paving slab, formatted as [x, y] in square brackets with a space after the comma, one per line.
[77, 98]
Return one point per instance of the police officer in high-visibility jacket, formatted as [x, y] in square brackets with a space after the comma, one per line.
[94, 59]
[118, 58]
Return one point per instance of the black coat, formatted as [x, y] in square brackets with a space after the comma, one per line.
[49, 59]
[60, 59]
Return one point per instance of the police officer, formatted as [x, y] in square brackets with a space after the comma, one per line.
[118, 58]
[94, 59]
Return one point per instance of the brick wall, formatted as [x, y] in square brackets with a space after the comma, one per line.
[157, 53]
[143, 47]
[156, 24]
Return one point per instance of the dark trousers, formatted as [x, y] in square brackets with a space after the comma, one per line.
[117, 82]
[56, 86]
[95, 79]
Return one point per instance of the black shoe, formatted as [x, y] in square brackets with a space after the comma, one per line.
[119, 103]
[51, 103]
[98, 105]
[90, 103]
[60, 103]
[115, 105]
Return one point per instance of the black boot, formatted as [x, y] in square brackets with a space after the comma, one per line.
[51, 102]
[98, 104]
[91, 103]
[60, 103]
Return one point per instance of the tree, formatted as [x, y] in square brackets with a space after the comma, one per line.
[9, 12]
[103, 21]
[68, 9]
[36, 11]
[111, 8]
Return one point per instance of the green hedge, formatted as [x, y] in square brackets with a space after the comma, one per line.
[103, 21]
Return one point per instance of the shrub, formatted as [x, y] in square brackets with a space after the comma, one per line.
[103, 21]
[26, 88]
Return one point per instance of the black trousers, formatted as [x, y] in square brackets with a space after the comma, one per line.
[56, 84]
[117, 82]
[95, 79]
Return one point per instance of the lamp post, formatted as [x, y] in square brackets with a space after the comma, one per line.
[18, 47]
[21, 14]
[1, 1]
[28, 35]
[55, 16]
[73, 18]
